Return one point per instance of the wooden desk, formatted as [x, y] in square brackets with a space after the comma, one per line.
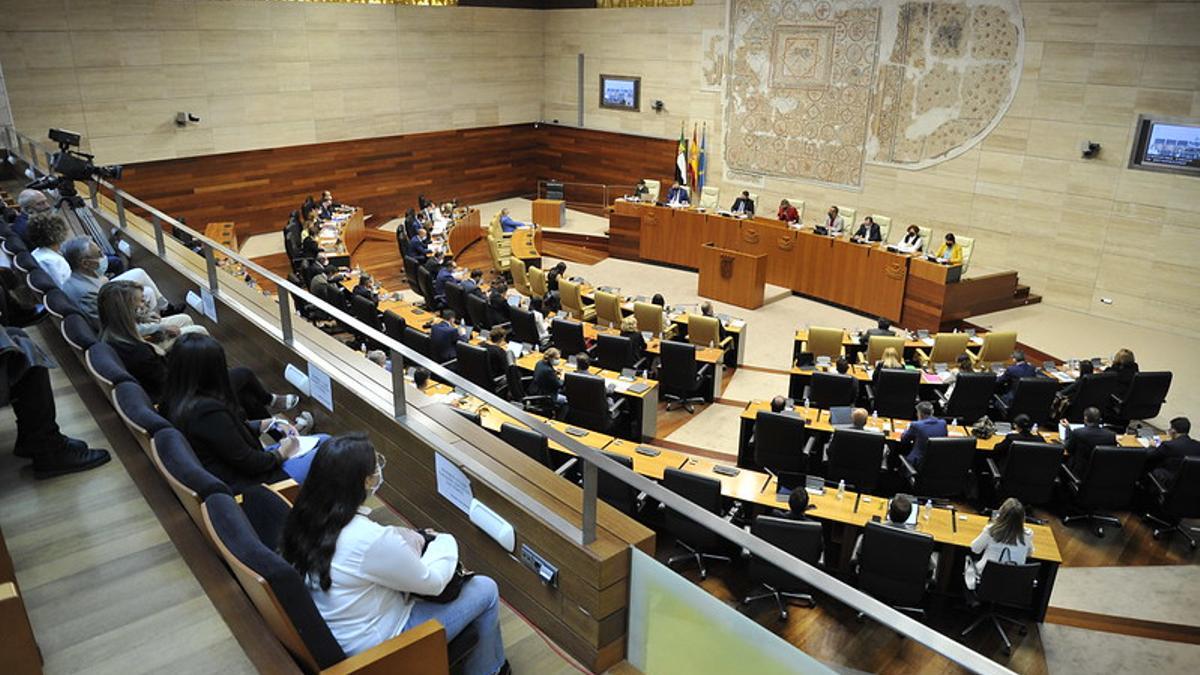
[526, 243]
[646, 402]
[224, 234]
[731, 276]
[463, 232]
[549, 212]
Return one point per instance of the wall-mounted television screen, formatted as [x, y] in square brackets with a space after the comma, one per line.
[620, 92]
[1167, 144]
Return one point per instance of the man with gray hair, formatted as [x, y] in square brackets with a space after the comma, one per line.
[88, 266]
[919, 432]
[30, 203]
[1006, 383]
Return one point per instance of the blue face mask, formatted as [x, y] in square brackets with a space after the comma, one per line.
[102, 266]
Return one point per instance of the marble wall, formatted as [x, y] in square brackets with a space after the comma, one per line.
[1076, 230]
[262, 74]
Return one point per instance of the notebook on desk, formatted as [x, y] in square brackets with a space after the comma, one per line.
[639, 387]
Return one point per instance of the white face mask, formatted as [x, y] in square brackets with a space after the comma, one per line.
[102, 266]
[378, 482]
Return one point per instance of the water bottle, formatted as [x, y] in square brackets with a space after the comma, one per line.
[841, 493]
[874, 419]
[806, 403]
[928, 509]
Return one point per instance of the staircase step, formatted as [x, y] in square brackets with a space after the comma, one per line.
[1021, 291]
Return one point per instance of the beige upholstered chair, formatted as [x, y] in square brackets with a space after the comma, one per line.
[608, 309]
[926, 237]
[649, 318]
[537, 282]
[824, 341]
[848, 216]
[520, 277]
[968, 248]
[878, 344]
[500, 252]
[710, 198]
[885, 225]
[655, 188]
[705, 331]
[572, 300]
[947, 347]
[799, 204]
[997, 347]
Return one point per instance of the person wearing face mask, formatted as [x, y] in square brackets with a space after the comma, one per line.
[367, 579]
[30, 203]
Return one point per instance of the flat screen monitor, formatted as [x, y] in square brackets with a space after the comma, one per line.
[621, 92]
[1167, 144]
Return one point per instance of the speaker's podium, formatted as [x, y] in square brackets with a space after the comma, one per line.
[732, 276]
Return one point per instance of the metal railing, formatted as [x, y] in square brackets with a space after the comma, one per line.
[587, 195]
[592, 460]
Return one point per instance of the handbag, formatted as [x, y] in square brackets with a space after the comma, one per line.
[454, 586]
[983, 429]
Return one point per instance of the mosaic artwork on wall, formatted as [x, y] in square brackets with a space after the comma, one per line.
[712, 61]
[817, 88]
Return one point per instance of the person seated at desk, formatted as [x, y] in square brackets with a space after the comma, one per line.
[445, 274]
[508, 223]
[498, 307]
[1164, 461]
[659, 300]
[964, 364]
[842, 367]
[444, 334]
[706, 309]
[678, 196]
[1006, 383]
[366, 288]
[834, 224]
[743, 204]
[310, 246]
[867, 232]
[890, 360]
[418, 246]
[900, 509]
[858, 420]
[1064, 397]
[630, 330]
[1022, 431]
[912, 241]
[797, 505]
[883, 328]
[787, 213]
[552, 276]
[949, 252]
[1125, 366]
[370, 582]
[583, 363]
[1004, 540]
[411, 226]
[472, 285]
[545, 378]
[641, 191]
[1082, 441]
[499, 358]
[919, 432]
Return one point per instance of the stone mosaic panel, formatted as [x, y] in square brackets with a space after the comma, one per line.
[712, 60]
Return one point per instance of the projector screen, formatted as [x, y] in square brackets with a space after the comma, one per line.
[1167, 145]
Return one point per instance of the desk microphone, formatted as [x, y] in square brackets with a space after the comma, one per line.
[857, 498]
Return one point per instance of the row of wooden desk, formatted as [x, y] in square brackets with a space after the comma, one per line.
[846, 516]
[911, 291]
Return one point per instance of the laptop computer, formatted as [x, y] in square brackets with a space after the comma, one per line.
[839, 415]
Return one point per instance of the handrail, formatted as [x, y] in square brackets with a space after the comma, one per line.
[605, 199]
[592, 459]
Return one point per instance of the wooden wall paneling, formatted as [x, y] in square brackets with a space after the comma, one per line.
[979, 295]
[623, 234]
[619, 160]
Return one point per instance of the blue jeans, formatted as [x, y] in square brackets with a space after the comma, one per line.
[478, 604]
[297, 467]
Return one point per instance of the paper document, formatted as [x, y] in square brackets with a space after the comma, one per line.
[319, 386]
[307, 445]
[452, 483]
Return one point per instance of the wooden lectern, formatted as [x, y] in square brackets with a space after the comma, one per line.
[549, 212]
[732, 276]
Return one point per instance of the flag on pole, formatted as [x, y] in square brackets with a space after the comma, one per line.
[694, 163]
[681, 158]
[700, 180]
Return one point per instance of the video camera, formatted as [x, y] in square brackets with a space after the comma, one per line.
[72, 165]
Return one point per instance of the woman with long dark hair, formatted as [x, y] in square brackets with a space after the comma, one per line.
[1004, 540]
[200, 401]
[363, 576]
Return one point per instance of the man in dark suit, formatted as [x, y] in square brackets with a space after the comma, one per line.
[1022, 431]
[1082, 441]
[743, 204]
[1020, 368]
[444, 275]
[366, 288]
[1164, 461]
[867, 232]
[418, 246]
[882, 327]
[497, 354]
[498, 309]
[471, 285]
[444, 334]
[919, 432]
[678, 195]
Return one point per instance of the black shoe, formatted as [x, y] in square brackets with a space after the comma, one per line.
[24, 451]
[505, 669]
[173, 308]
[68, 460]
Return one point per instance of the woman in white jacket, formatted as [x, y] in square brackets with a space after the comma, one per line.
[363, 576]
[1004, 540]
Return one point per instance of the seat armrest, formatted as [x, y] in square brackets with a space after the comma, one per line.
[417, 651]
[942, 399]
[922, 357]
[908, 468]
[1000, 404]
[808, 446]
[567, 466]
[993, 467]
[449, 364]
[870, 394]
[1074, 482]
[1158, 486]
[702, 371]
[615, 407]
[287, 488]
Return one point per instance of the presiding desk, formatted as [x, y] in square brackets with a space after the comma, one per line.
[909, 291]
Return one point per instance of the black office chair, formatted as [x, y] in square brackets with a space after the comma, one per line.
[425, 288]
[417, 341]
[896, 393]
[616, 492]
[1095, 390]
[587, 402]
[699, 541]
[1179, 500]
[542, 404]
[1107, 483]
[77, 332]
[971, 397]
[681, 381]
[615, 352]
[567, 336]
[1033, 396]
[366, 312]
[394, 325]
[782, 446]
[1029, 474]
[855, 456]
[136, 408]
[829, 390]
[473, 364]
[524, 327]
[1144, 398]
[801, 539]
[456, 300]
[477, 310]
[893, 566]
[1006, 585]
[410, 272]
[945, 469]
[530, 442]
